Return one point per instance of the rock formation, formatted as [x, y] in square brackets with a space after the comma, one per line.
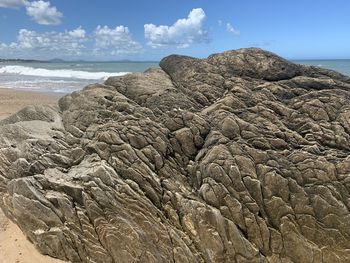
[240, 157]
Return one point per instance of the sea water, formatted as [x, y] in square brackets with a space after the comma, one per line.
[340, 65]
[65, 77]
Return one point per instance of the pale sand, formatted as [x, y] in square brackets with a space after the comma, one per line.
[14, 247]
[12, 101]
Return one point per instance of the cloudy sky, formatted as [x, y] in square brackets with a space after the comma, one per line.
[149, 30]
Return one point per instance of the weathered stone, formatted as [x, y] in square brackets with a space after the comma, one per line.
[241, 157]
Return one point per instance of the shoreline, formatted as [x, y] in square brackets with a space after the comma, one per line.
[14, 246]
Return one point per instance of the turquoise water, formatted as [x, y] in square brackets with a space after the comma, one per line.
[64, 77]
[110, 67]
[340, 65]
[70, 76]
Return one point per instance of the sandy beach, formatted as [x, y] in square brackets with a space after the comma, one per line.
[14, 247]
[12, 100]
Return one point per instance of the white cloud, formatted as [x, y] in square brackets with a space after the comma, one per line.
[76, 43]
[46, 45]
[77, 33]
[12, 3]
[231, 29]
[43, 13]
[181, 34]
[40, 11]
[114, 41]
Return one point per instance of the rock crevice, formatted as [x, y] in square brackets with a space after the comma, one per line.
[240, 157]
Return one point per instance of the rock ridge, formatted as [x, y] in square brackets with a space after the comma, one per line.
[240, 157]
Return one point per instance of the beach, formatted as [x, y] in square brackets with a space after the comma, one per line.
[12, 100]
[14, 247]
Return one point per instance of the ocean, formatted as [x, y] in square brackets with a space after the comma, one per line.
[340, 65]
[65, 77]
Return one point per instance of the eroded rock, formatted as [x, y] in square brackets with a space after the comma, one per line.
[241, 157]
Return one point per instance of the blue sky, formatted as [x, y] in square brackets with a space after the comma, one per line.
[150, 30]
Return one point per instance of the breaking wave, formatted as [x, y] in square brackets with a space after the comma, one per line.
[58, 73]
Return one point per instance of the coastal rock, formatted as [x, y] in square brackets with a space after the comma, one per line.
[240, 157]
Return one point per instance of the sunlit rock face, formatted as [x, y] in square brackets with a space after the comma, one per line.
[240, 157]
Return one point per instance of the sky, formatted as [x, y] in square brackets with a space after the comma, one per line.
[150, 30]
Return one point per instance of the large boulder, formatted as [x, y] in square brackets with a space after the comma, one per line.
[241, 157]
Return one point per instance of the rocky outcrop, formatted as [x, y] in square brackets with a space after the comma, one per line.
[240, 157]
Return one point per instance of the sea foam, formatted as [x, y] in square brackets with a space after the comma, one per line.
[58, 73]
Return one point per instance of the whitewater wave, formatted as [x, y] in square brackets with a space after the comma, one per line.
[58, 73]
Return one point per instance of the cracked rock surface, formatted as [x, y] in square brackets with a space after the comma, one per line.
[240, 157]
